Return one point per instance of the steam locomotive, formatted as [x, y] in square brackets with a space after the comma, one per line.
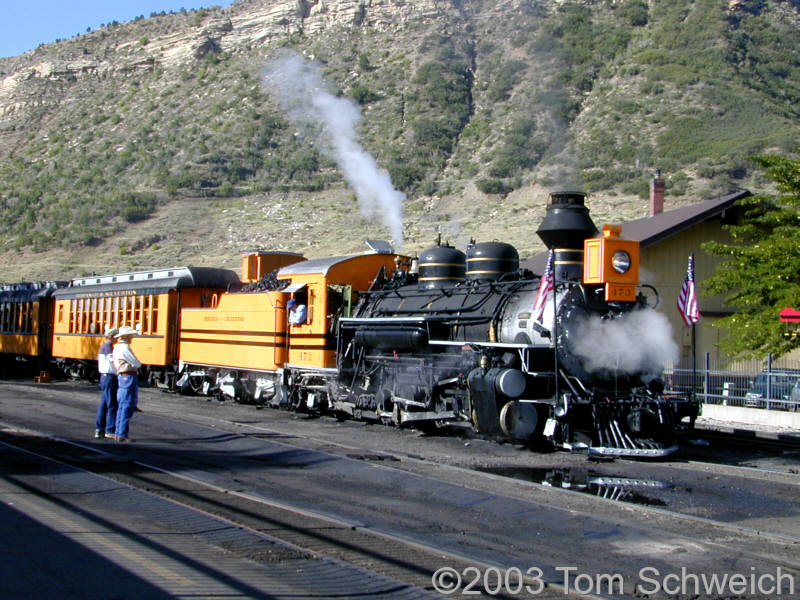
[461, 341]
[450, 338]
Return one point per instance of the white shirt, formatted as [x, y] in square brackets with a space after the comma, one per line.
[123, 354]
[297, 315]
[105, 361]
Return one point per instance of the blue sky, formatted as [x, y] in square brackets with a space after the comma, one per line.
[25, 25]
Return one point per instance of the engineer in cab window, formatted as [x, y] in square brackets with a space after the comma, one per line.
[297, 312]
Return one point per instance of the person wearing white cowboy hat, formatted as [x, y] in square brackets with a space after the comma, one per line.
[127, 366]
[106, 420]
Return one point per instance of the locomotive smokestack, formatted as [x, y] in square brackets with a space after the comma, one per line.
[566, 224]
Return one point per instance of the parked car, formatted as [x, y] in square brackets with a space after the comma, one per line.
[781, 385]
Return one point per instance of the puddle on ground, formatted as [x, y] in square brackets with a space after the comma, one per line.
[611, 487]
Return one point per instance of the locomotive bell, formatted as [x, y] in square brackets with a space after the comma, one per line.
[565, 226]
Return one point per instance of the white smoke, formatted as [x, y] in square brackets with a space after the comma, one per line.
[330, 123]
[638, 342]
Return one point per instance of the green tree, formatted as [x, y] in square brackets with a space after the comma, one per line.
[761, 273]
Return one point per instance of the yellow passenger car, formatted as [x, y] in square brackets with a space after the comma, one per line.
[148, 301]
[26, 321]
[245, 347]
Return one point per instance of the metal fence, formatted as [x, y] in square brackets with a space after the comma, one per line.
[769, 384]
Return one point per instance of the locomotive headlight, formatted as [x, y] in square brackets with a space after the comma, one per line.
[621, 261]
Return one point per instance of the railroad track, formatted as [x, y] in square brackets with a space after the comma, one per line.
[742, 438]
[300, 531]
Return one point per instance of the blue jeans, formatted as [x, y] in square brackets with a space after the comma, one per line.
[127, 399]
[106, 419]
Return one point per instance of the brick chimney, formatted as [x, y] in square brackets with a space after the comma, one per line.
[656, 194]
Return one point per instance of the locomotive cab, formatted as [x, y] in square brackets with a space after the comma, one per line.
[246, 348]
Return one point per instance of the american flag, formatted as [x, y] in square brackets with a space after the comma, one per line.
[687, 300]
[545, 287]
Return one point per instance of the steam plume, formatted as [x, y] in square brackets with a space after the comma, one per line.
[330, 123]
[639, 342]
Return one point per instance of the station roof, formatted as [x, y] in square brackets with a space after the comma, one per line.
[650, 230]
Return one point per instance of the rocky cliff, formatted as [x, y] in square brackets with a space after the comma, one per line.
[475, 108]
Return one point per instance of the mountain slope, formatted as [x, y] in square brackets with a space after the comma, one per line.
[112, 142]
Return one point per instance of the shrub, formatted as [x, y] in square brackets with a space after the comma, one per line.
[504, 80]
[437, 134]
[492, 186]
[404, 173]
[362, 94]
[634, 12]
[135, 206]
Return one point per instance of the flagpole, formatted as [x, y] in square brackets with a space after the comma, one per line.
[687, 306]
[555, 333]
[694, 339]
[694, 363]
[547, 284]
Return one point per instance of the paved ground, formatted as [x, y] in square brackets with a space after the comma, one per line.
[79, 535]
[405, 483]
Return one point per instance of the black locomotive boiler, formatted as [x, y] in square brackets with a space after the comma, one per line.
[459, 340]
